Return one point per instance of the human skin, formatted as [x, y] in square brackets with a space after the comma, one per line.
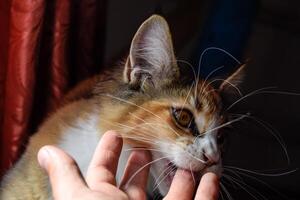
[67, 183]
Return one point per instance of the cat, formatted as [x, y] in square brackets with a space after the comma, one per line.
[148, 102]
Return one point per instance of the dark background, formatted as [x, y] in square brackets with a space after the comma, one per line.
[272, 44]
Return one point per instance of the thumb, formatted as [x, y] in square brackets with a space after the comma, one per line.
[64, 174]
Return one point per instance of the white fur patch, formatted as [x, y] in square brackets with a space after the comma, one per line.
[81, 139]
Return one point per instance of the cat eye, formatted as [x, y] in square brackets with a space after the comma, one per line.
[183, 118]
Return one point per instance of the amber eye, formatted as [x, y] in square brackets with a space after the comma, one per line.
[182, 117]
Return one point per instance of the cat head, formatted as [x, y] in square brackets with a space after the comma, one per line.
[181, 124]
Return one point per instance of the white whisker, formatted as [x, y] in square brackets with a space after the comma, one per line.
[144, 149]
[131, 103]
[191, 66]
[273, 132]
[262, 182]
[244, 185]
[170, 169]
[248, 95]
[143, 167]
[192, 175]
[208, 49]
[226, 191]
[221, 126]
[203, 87]
[262, 174]
[187, 96]
[232, 85]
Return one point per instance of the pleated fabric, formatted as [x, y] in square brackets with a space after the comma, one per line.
[46, 47]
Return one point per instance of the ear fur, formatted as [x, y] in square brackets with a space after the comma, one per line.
[230, 85]
[151, 61]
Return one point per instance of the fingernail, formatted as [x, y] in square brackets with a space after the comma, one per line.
[43, 157]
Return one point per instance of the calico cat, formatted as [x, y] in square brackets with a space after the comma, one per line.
[148, 103]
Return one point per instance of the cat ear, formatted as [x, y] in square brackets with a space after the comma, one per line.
[231, 84]
[151, 61]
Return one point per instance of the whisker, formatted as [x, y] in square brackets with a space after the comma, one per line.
[143, 139]
[273, 132]
[221, 126]
[188, 153]
[244, 185]
[144, 149]
[264, 183]
[192, 174]
[226, 191]
[233, 184]
[191, 66]
[248, 95]
[143, 167]
[162, 125]
[202, 89]
[131, 103]
[150, 124]
[213, 48]
[171, 170]
[221, 193]
[130, 113]
[148, 140]
[169, 144]
[280, 92]
[232, 85]
[262, 174]
[235, 173]
[125, 136]
[187, 96]
[131, 129]
[161, 174]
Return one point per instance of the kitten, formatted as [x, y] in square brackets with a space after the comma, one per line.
[147, 102]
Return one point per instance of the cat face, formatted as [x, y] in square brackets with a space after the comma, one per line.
[181, 124]
[181, 127]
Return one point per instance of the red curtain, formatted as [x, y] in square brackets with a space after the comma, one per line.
[46, 47]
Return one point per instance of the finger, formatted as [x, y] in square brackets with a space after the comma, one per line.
[104, 163]
[208, 188]
[65, 177]
[134, 181]
[182, 186]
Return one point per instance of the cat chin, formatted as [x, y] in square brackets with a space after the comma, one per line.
[216, 169]
[165, 184]
[162, 178]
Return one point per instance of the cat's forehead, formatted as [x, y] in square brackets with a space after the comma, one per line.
[201, 98]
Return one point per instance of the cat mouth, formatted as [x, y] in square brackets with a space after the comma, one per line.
[169, 174]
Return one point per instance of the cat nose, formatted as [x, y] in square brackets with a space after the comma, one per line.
[211, 157]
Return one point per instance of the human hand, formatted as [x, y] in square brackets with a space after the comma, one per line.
[183, 187]
[67, 182]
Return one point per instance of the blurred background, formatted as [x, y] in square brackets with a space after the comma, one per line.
[46, 47]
